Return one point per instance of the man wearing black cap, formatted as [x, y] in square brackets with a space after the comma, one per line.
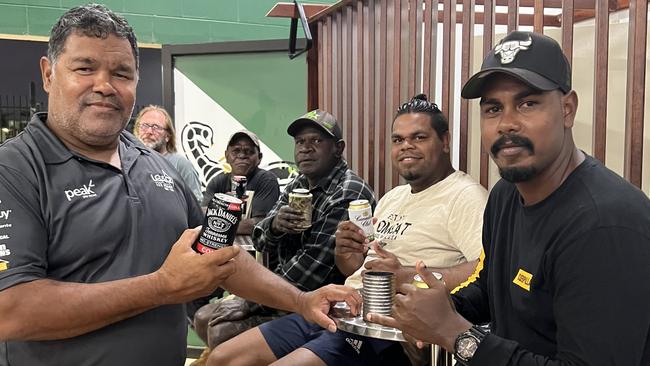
[243, 155]
[566, 241]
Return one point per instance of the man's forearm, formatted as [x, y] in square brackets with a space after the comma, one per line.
[48, 310]
[347, 266]
[457, 274]
[254, 282]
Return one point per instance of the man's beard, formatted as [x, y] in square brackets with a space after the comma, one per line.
[410, 176]
[518, 175]
[515, 175]
[156, 145]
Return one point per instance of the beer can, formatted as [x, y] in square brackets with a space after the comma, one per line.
[300, 199]
[360, 213]
[220, 225]
[419, 282]
[238, 185]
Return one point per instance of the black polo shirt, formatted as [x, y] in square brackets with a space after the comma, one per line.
[69, 218]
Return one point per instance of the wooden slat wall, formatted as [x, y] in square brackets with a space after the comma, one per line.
[600, 80]
[636, 56]
[488, 41]
[466, 72]
[567, 29]
[374, 55]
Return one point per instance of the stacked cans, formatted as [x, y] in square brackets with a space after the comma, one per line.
[378, 292]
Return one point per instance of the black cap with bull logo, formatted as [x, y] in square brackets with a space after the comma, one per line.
[533, 58]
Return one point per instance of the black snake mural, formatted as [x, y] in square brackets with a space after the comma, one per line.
[197, 138]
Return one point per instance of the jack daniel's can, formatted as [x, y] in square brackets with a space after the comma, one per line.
[220, 226]
[360, 214]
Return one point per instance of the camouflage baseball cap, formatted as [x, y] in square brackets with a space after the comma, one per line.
[317, 118]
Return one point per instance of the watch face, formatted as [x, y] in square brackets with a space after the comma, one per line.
[466, 347]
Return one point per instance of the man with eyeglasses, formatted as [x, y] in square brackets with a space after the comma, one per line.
[243, 155]
[153, 126]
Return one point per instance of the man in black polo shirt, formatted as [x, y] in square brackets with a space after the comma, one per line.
[90, 272]
[566, 240]
[243, 155]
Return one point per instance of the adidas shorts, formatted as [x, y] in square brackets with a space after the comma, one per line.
[286, 334]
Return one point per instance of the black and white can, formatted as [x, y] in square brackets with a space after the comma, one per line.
[222, 218]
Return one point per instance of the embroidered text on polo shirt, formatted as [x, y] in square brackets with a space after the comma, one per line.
[163, 180]
[4, 217]
[85, 191]
[523, 279]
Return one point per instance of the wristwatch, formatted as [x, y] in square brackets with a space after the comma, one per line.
[467, 343]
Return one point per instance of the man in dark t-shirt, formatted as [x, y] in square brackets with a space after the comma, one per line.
[566, 240]
[262, 190]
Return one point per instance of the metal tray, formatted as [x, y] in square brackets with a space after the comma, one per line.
[347, 322]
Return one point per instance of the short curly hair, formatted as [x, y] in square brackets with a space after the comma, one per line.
[92, 20]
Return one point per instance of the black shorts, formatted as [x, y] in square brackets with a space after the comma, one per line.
[291, 332]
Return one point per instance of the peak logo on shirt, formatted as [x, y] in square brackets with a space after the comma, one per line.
[163, 181]
[523, 279]
[85, 191]
[4, 265]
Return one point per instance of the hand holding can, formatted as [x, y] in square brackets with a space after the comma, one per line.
[360, 214]
[222, 218]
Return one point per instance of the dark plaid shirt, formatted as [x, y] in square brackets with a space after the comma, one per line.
[307, 259]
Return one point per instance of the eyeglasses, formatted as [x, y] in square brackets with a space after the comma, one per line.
[155, 128]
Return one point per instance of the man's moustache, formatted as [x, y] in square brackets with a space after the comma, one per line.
[93, 99]
[515, 140]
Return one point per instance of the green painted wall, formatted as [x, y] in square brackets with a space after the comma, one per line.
[264, 92]
[161, 21]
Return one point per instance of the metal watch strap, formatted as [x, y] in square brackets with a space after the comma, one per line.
[475, 332]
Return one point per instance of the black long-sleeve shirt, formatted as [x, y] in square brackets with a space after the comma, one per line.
[565, 281]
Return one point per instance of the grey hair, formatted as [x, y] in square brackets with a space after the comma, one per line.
[92, 20]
